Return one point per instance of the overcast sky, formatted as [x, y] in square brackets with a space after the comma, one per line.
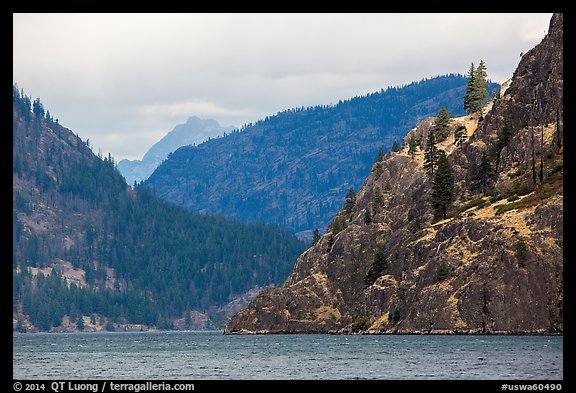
[124, 80]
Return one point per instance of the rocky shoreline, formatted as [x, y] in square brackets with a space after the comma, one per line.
[436, 332]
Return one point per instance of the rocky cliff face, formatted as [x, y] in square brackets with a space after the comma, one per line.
[495, 264]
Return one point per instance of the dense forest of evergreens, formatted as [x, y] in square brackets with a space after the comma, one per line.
[294, 168]
[144, 260]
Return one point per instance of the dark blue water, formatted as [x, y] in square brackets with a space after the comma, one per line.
[212, 355]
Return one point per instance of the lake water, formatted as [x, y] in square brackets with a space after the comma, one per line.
[212, 355]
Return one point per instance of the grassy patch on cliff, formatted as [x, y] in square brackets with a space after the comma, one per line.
[477, 203]
[543, 191]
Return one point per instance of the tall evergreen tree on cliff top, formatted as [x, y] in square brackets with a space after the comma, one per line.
[481, 84]
[476, 89]
[469, 90]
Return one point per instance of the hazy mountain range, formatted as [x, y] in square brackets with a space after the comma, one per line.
[194, 131]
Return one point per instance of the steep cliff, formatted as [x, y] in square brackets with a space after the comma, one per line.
[494, 264]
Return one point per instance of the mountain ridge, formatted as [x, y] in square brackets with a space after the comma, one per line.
[87, 249]
[493, 265]
[293, 168]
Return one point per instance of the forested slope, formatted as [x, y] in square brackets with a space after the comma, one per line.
[123, 255]
[294, 168]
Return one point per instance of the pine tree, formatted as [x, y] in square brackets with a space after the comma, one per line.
[442, 187]
[430, 154]
[377, 199]
[338, 224]
[315, 237]
[481, 85]
[442, 271]
[476, 88]
[350, 200]
[558, 138]
[380, 155]
[38, 108]
[468, 96]
[412, 146]
[80, 322]
[377, 267]
[486, 172]
[395, 147]
[367, 216]
[503, 137]
[442, 125]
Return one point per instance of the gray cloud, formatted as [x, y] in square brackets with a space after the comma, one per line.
[124, 80]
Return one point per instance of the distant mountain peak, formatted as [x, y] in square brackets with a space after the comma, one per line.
[194, 131]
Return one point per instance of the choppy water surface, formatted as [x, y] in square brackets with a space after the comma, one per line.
[212, 355]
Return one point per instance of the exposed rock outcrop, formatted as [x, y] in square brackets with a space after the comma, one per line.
[494, 265]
